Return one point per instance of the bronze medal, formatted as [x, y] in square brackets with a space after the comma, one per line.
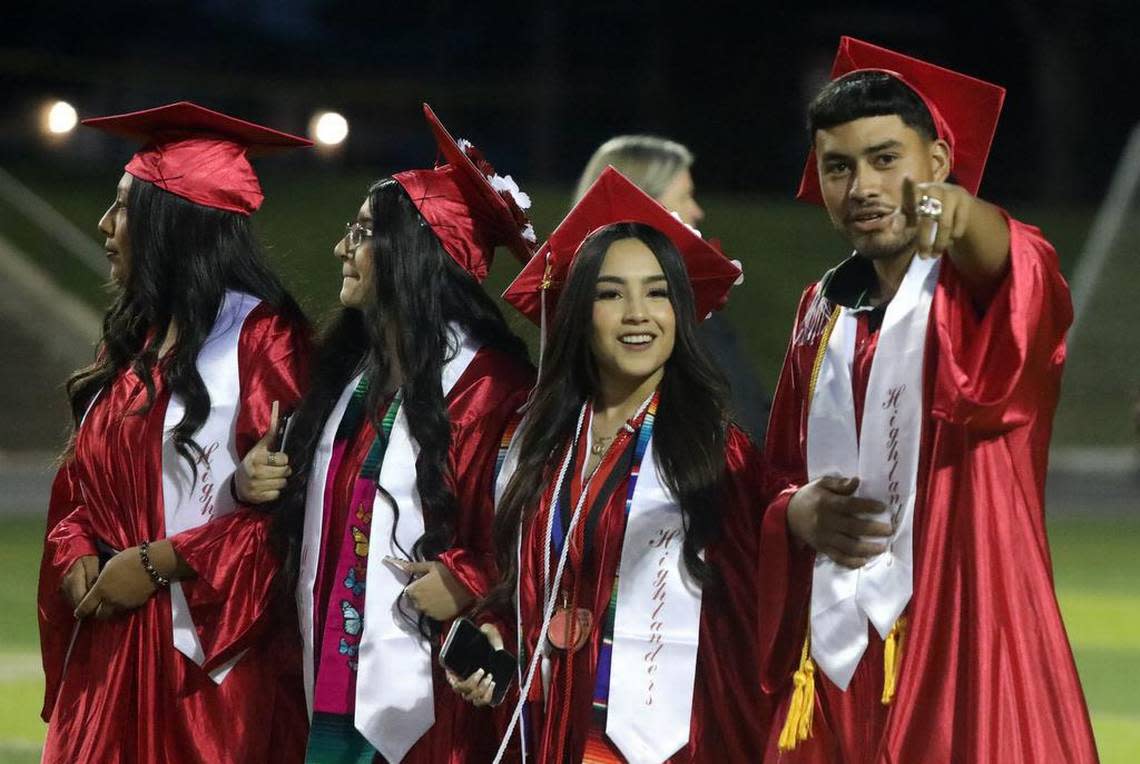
[570, 628]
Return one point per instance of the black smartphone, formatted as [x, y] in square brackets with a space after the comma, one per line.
[466, 650]
[282, 436]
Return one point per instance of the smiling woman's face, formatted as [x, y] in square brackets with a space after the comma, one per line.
[356, 262]
[634, 326]
[113, 226]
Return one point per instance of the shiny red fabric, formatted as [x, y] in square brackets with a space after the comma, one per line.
[987, 673]
[613, 198]
[197, 153]
[730, 716]
[125, 693]
[964, 109]
[213, 172]
[484, 399]
[468, 216]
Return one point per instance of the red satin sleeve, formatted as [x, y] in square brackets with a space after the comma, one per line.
[784, 447]
[229, 600]
[68, 539]
[991, 366]
[273, 362]
[69, 534]
[480, 413]
[231, 595]
[785, 565]
[730, 713]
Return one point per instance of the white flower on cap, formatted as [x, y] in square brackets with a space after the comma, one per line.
[740, 278]
[507, 185]
[677, 215]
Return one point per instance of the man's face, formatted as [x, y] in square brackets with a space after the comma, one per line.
[861, 166]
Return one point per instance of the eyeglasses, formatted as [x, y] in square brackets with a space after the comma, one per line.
[354, 235]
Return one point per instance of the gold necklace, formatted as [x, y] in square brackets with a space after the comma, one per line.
[601, 442]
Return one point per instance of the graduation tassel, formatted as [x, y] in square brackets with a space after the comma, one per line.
[545, 285]
[797, 726]
[892, 656]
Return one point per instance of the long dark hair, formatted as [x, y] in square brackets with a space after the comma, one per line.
[419, 291]
[689, 432]
[184, 257]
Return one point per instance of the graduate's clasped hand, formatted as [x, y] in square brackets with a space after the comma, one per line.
[827, 516]
[123, 584]
[80, 578]
[263, 472]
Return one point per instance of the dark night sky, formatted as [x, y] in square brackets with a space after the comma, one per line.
[541, 85]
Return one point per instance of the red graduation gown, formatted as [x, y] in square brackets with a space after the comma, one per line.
[987, 673]
[125, 693]
[483, 400]
[730, 716]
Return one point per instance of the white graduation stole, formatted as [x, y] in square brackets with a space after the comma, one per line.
[656, 626]
[188, 503]
[884, 458]
[395, 702]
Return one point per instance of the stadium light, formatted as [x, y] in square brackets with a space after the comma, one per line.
[59, 118]
[328, 128]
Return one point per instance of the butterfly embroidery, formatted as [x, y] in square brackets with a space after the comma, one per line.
[361, 540]
[353, 584]
[352, 622]
[364, 514]
[347, 649]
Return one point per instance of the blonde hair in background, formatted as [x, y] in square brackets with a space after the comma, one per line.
[648, 161]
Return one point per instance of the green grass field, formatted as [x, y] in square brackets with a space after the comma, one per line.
[1096, 568]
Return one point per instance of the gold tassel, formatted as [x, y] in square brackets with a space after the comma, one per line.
[797, 726]
[892, 657]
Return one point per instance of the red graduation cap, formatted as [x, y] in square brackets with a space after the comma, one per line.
[470, 208]
[965, 110]
[613, 198]
[197, 153]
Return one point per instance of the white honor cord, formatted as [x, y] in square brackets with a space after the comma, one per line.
[548, 611]
[541, 344]
[551, 598]
[519, 632]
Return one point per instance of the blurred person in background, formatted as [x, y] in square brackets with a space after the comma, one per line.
[160, 634]
[663, 169]
[627, 525]
[908, 447]
[386, 524]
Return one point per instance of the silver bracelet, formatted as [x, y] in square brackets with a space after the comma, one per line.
[160, 580]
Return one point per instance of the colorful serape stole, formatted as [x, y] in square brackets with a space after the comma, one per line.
[599, 750]
[504, 445]
[333, 737]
